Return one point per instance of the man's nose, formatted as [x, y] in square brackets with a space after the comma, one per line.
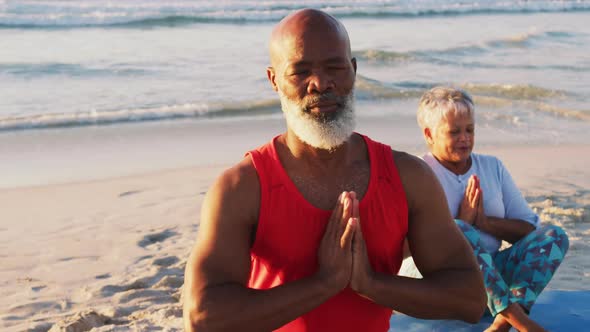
[320, 82]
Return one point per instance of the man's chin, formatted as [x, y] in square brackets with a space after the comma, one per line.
[326, 116]
[328, 145]
[325, 135]
[321, 130]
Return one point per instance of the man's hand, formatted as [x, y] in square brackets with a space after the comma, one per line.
[362, 272]
[468, 210]
[335, 252]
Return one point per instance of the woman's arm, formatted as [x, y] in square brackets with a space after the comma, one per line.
[519, 220]
[511, 230]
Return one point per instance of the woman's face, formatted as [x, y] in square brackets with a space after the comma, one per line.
[453, 139]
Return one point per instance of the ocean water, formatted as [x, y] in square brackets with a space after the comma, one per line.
[70, 66]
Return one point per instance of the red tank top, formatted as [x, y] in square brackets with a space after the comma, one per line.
[290, 229]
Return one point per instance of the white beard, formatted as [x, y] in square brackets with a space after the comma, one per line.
[320, 133]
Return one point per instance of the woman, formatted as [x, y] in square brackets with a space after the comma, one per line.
[489, 208]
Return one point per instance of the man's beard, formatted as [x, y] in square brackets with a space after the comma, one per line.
[324, 131]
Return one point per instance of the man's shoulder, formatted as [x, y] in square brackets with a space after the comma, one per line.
[414, 173]
[236, 192]
[416, 176]
[409, 165]
[404, 161]
[241, 176]
[244, 174]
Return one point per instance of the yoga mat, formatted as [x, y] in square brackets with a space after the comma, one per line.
[555, 310]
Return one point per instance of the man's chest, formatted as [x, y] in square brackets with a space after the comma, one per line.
[322, 190]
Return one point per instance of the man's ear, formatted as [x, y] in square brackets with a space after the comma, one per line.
[270, 73]
[428, 136]
[353, 61]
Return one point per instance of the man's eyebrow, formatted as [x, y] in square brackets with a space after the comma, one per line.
[300, 63]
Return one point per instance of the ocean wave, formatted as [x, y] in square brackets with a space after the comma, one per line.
[513, 91]
[169, 112]
[523, 66]
[69, 69]
[524, 96]
[442, 56]
[367, 89]
[144, 14]
[558, 111]
[490, 95]
[538, 106]
[381, 56]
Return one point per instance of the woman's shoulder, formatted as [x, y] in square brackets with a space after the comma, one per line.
[430, 160]
[486, 160]
[489, 165]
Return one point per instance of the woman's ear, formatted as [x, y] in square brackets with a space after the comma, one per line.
[428, 136]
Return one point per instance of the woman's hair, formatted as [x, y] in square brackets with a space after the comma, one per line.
[439, 101]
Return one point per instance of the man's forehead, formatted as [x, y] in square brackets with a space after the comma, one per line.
[299, 51]
[306, 31]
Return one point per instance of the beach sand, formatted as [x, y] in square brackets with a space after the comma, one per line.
[110, 253]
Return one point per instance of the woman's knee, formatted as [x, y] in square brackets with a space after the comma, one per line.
[463, 225]
[558, 234]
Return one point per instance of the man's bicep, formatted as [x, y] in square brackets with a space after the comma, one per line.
[435, 241]
[222, 252]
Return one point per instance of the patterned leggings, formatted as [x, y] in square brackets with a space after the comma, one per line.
[520, 272]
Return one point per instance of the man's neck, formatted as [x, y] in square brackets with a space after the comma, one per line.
[324, 158]
[321, 175]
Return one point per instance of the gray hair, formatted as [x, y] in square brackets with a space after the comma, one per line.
[439, 101]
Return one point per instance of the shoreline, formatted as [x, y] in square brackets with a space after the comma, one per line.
[58, 156]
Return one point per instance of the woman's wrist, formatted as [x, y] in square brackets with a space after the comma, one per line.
[484, 224]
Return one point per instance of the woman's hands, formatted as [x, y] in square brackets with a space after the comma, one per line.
[481, 220]
[471, 209]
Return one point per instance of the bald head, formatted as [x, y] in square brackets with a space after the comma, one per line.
[298, 29]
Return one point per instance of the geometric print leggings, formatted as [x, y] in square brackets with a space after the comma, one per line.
[521, 272]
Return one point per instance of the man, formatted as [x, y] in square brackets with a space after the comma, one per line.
[306, 233]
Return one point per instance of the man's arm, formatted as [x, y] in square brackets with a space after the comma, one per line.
[216, 296]
[452, 285]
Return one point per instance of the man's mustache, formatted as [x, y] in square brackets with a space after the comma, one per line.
[330, 97]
